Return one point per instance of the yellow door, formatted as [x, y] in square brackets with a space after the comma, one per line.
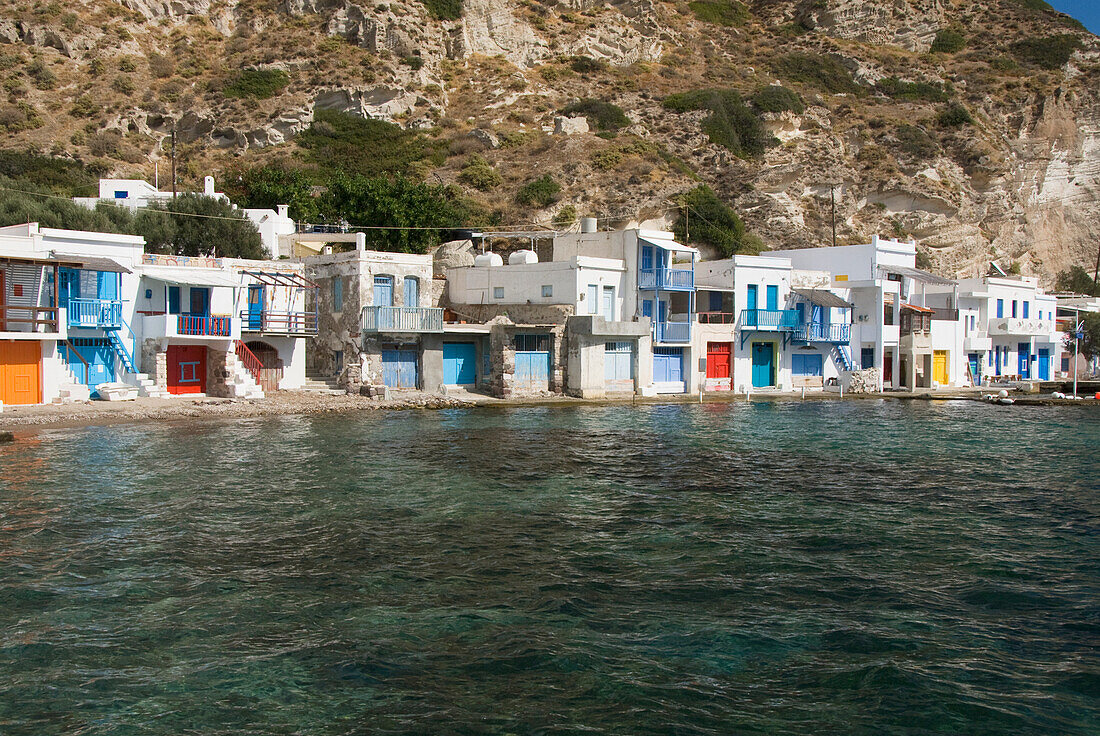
[20, 372]
[939, 367]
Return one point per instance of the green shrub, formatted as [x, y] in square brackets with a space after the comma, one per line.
[823, 72]
[259, 84]
[541, 192]
[704, 218]
[1052, 52]
[55, 175]
[479, 174]
[566, 216]
[40, 75]
[444, 9]
[731, 123]
[18, 117]
[915, 142]
[587, 65]
[720, 12]
[601, 115]
[775, 98]
[953, 116]
[123, 84]
[372, 147]
[84, 107]
[126, 64]
[913, 91]
[413, 62]
[161, 66]
[948, 41]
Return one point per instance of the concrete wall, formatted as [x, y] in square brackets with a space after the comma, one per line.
[567, 281]
[587, 337]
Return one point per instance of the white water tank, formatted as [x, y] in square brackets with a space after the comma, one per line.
[588, 224]
[485, 260]
[523, 258]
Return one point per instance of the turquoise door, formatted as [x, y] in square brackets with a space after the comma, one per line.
[1024, 358]
[773, 297]
[108, 285]
[763, 364]
[383, 297]
[976, 368]
[459, 363]
[399, 367]
[1044, 364]
[200, 301]
[997, 368]
[255, 306]
[101, 361]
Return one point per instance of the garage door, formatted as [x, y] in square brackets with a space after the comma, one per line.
[186, 369]
[718, 360]
[532, 362]
[459, 363]
[668, 369]
[399, 367]
[20, 372]
[618, 366]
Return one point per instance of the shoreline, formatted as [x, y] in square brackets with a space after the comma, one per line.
[304, 403]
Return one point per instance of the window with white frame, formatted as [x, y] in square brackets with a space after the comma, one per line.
[498, 292]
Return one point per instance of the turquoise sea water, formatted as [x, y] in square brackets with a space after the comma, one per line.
[753, 568]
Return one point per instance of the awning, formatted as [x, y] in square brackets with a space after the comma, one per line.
[916, 274]
[711, 286]
[671, 245]
[189, 276]
[94, 263]
[915, 308]
[822, 298]
[281, 278]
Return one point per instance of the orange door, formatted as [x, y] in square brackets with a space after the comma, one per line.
[20, 371]
[186, 369]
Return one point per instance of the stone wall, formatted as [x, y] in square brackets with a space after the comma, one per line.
[863, 381]
[217, 373]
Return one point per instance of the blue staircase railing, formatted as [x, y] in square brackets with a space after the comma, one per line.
[845, 356]
[124, 355]
[823, 332]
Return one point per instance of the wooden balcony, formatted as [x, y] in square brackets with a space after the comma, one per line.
[279, 323]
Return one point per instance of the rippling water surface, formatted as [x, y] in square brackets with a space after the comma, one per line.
[752, 568]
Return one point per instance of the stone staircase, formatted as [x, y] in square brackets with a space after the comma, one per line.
[322, 384]
[242, 384]
[146, 386]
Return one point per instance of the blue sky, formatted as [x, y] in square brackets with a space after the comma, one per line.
[1086, 11]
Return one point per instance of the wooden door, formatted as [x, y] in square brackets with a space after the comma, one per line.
[718, 360]
[20, 371]
[186, 369]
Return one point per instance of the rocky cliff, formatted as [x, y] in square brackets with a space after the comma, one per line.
[973, 127]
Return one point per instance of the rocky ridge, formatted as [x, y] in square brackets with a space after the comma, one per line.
[1020, 184]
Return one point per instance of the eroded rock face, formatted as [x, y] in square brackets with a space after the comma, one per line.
[911, 24]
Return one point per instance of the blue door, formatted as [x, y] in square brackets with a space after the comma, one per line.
[100, 357]
[1044, 364]
[975, 368]
[399, 367]
[1024, 360]
[763, 364]
[668, 365]
[459, 363]
[618, 366]
[532, 362]
[807, 364]
[108, 285]
[383, 297]
[750, 299]
[997, 369]
[412, 291]
[647, 257]
[608, 306]
[255, 306]
[773, 297]
[200, 301]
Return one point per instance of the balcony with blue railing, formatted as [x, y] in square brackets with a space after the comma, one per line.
[402, 319]
[95, 313]
[665, 333]
[666, 279]
[195, 325]
[774, 320]
[830, 332]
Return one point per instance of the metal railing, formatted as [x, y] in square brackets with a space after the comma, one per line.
[824, 332]
[674, 332]
[291, 323]
[783, 320]
[202, 325]
[95, 313]
[402, 319]
[666, 278]
[717, 318]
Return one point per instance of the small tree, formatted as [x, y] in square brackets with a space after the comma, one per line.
[1075, 280]
[197, 225]
[705, 218]
[1089, 344]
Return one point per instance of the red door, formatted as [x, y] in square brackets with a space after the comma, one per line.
[888, 369]
[186, 369]
[718, 360]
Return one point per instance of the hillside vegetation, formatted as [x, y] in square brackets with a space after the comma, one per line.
[965, 124]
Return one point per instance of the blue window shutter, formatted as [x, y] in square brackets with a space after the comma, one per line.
[1000, 308]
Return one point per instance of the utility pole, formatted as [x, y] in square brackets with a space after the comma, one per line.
[173, 162]
[832, 200]
[1096, 271]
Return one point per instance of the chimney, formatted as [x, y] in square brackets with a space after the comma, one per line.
[208, 186]
[283, 209]
[361, 242]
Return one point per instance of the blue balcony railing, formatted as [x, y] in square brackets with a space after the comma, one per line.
[823, 332]
[102, 313]
[204, 325]
[671, 332]
[781, 320]
[402, 319]
[666, 278]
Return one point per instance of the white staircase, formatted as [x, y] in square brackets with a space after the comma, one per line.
[242, 384]
[71, 390]
[322, 384]
[146, 386]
